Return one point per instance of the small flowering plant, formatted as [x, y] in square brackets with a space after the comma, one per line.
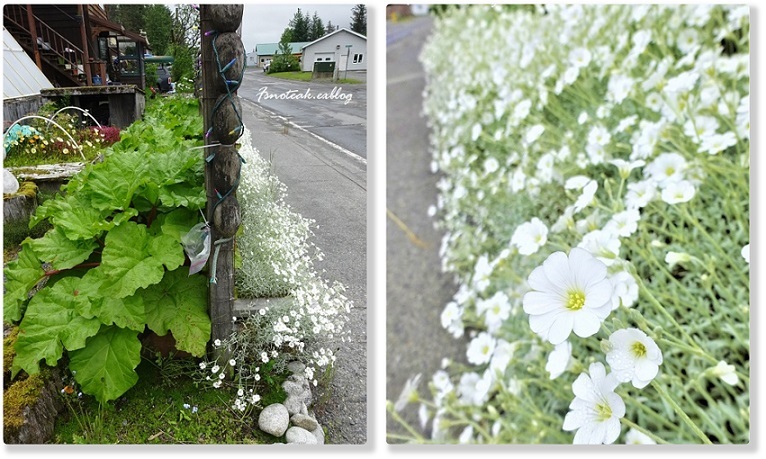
[276, 261]
[42, 142]
[594, 195]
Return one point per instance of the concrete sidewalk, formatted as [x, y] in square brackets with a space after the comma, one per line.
[330, 187]
[416, 290]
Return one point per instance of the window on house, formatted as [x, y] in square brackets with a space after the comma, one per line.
[319, 58]
[358, 58]
[327, 58]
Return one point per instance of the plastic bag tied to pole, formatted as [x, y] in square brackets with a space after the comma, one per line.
[197, 246]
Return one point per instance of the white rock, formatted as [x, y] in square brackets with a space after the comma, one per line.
[300, 436]
[318, 434]
[274, 419]
[303, 421]
[10, 184]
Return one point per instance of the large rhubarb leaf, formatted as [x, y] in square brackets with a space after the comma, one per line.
[21, 275]
[60, 251]
[182, 195]
[176, 223]
[125, 312]
[73, 214]
[179, 304]
[52, 323]
[105, 367]
[134, 259]
[112, 185]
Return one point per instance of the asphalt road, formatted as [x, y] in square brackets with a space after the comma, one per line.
[336, 112]
[416, 290]
[329, 186]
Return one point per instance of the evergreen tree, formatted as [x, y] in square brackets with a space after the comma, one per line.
[287, 36]
[359, 19]
[317, 27]
[284, 61]
[300, 26]
[330, 28]
[130, 16]
[156, 21]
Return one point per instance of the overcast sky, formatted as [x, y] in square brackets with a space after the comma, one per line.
[264, 23]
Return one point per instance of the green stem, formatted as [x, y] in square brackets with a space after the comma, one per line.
[665, 313]
[406, 425]
[649, 434]
[684, 417]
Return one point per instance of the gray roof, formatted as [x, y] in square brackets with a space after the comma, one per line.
[21, 77]
[343, 29]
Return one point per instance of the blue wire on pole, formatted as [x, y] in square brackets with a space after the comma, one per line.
[230, 85]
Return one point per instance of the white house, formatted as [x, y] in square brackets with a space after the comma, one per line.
[345, 47]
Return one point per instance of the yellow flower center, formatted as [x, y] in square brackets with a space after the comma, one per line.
[638, 349]
[603, 412]
[670, 171]
[576, 300]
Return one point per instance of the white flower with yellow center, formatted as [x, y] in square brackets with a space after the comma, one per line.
[596, 410]
[481, 348]
[667, 168]
[569, 293]
[677, 193]
[530, 236]
[634, 357]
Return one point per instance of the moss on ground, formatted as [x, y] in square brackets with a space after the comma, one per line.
[153, 412]
[8, 351]
[19, 395]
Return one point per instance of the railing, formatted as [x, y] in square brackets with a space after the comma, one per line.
[48, 40]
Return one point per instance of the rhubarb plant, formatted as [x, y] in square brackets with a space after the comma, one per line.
[112, 266]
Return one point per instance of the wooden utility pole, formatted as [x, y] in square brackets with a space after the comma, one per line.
[222, 70]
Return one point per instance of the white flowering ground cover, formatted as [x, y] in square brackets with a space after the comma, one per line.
[275, 259]
[595, 201]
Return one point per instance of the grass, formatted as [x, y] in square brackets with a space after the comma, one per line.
[298, 76]
[306, 76]
[153, 412]
[30, 159]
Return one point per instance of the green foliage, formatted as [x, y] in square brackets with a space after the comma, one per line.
[183, 64]
[150, 75]
[157, 20]
[113, 258]
[359, 19]
[316, 29]
[284, 61]
[300, 25]
[157, 410]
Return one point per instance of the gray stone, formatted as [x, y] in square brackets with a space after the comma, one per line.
[296, 367]
[318, 434]
[293, 405]
[300, 436]
[293, 388]
[274, 419]
[306, 422]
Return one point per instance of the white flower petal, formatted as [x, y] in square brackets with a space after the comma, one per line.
[586, 324]
[541, 302]
[558, 271]
[561, 328]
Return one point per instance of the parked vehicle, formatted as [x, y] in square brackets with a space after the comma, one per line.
[164, 81]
